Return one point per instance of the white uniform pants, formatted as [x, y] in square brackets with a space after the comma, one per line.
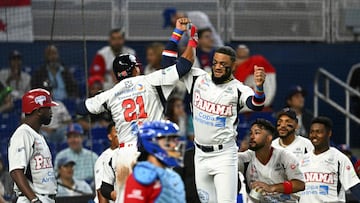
[43, 198]
[216, 174]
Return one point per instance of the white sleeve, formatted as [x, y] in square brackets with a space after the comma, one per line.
[95, 104]
[243, 157]
[348, 177]
[166, 76]
[98, 170]
[20, 147]
[292, 166]
[108, 175]
[246, 92]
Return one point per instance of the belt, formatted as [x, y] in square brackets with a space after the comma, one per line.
[130, 144]
[209, 148]
[51, 196]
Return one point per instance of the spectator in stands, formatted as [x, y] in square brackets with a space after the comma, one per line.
[345, 149]
[295, 100]
[14, 77]
[205, 49]
[354, 82]
[84, 158]
[153, 57]
[53, 74]
[357, 168]
[103, 61]
[198, 18]
[67, 184]
[175, 113]
[6, 100]
[244, 71]
[103, 159]
[95, 84]
[6, 181]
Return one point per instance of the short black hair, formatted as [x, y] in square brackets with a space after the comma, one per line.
[262, 123]
[227, 51]
[110, 126]
[323, 120]
[201, 31]
[116, 30]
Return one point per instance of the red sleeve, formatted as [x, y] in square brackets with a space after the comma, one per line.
[138, 193]
[98, 66]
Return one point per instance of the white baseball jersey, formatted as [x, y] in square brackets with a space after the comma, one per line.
[327, 176]
[99, 167]
[28, 150]
[135, 100]
[282, 166]
[298, 147]
[215, 107]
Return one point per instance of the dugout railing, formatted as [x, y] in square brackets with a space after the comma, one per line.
[322, 90]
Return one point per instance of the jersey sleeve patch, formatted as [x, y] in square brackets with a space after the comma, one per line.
[145, 173]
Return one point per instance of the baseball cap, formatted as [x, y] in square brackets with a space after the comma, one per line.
[65, 161]
[288, 112]
[15, 54]
[74, 128]
[294, 90]
[167, 14]
[95, 79]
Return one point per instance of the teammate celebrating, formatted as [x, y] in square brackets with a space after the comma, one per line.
[216, 101]
[30, 161]
[151, 180]
[135, 100]
[272, 173]
[287, 123]
[328, 172]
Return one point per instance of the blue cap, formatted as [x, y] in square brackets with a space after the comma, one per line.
[64, 161]
[294, 90]
[74, 128]
[167, 14]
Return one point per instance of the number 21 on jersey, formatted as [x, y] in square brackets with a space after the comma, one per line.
[130, 112]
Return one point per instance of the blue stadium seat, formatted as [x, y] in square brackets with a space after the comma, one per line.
[99, 133]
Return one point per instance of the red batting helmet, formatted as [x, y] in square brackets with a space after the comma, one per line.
[35, 99]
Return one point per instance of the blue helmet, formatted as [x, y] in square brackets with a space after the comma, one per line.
[162, 140]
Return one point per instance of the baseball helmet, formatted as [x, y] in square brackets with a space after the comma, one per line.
[151, 132]
[123, 65]
[35, 99]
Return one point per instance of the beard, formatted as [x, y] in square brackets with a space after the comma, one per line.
[289, 132]
[45, 120]
[222, 79]
[256, 146]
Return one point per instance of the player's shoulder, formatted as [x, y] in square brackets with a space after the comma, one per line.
[24, 131]
[145, 173]
[337, 155]
[284, 154]
[275, 142]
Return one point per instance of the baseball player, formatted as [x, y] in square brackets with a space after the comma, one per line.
[272, 174]
[216, 100]
[30, 161]
[103, 160]
[135, 100]
[152, 180]
[328, 172]
[287, 123]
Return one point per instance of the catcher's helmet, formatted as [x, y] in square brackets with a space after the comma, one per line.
[35, 99]
[123, 65]
[171, 152]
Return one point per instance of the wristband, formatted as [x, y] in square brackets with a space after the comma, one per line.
[259, 88]
[176, 35]
[287, 187]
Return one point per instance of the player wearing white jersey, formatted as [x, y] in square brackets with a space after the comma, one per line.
[135, 100]
[30, 161]
[328, 172]
[103, 160]
[287, 123]
[216, 100]
[271, 172]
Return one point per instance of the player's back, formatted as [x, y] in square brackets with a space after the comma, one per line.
[133, 101]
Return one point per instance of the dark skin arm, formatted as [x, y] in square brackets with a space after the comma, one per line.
[279, 188]
[21, 181]
[101, 198]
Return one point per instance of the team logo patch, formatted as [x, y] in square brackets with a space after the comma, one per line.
[203, 196]
[348, 167]
[140, 87]
[136, 194]
[293, 166]
[324, 190]
[40, 99]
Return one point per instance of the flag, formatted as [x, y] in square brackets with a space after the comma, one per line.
[16, 21]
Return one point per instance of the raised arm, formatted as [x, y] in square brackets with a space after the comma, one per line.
[257, 101]
[184, 63]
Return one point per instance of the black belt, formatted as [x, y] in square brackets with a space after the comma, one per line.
[51, 196]
[208, 148]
